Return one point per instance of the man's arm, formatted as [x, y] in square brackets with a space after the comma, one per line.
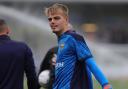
[83, 53]
[32, 79]
[98, 73]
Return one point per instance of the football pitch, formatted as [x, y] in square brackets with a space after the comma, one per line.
[116, 83]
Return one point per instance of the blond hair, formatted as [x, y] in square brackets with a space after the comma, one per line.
[53, 9]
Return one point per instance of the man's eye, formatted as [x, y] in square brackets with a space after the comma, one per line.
[56, 18]
[49, 19]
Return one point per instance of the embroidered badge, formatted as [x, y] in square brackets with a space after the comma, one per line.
[62, 45]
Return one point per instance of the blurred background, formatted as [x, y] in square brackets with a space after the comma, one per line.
[103, 23]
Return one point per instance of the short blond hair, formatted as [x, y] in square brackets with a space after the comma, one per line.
[53, 9]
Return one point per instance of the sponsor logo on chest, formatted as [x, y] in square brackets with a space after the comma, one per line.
[60, 64]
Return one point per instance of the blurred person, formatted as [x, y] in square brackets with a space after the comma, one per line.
[74, 62]
[48, 63]
[15, 59]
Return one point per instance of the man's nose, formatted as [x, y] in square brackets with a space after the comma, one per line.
[52, 21]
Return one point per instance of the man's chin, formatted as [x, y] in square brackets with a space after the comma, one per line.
[56, 32]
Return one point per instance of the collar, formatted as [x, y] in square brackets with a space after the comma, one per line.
[4, 37]
[68, 31]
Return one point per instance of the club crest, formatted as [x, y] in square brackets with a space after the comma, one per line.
[62, 45]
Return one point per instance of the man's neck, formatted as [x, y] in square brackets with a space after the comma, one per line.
[62, 31]
[3, 34]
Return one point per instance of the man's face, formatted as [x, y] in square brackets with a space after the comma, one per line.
[58, 21]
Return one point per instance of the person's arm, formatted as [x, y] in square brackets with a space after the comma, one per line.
[98, 73]
[45, 64]
[32, 80]
[84, 53]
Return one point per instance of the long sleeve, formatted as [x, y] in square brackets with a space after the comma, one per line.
[32, 80]
[84, 53]
[96, 71]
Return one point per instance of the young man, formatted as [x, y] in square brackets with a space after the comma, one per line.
[48, 63]
[15, 58]
[74, 59]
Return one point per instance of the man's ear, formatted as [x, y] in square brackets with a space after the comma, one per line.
[67, 19]
[7, 30]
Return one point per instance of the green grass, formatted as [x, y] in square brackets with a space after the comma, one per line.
[116, 83]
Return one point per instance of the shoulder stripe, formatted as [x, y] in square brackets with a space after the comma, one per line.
[75, 35]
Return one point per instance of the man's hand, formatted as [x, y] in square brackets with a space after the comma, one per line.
[108, 86]
[54, 59]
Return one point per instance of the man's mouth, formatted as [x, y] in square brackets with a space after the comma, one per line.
[53, 27]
